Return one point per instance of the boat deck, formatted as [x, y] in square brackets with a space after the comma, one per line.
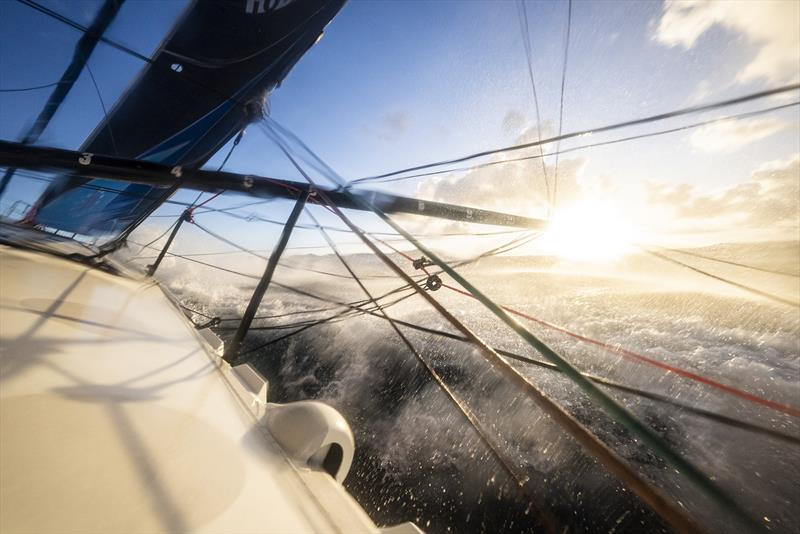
[116, 417]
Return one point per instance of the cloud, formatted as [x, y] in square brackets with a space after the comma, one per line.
[766, 205]
[728, 136]
[518, 187]
[513, 121]
[773, 26]
[393, 125]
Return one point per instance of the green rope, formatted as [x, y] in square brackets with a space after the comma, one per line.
[615, 410]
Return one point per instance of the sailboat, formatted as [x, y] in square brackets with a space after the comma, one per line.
[123, 413]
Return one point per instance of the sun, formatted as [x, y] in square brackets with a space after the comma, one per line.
[591, 230]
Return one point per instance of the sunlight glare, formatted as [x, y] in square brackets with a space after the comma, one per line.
[589, 231]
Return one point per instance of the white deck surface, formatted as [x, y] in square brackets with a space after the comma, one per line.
[115, 418]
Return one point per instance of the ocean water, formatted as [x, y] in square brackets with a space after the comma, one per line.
[417, 457]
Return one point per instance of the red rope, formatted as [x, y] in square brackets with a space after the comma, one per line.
[206, 201]
[669, 368]
[785, 408]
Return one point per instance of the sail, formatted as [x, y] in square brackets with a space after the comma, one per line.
[205, 83]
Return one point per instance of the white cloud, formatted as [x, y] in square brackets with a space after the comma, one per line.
[768, 202]
[730, 135]
[773, 26]
[514, 188]
[764, 205]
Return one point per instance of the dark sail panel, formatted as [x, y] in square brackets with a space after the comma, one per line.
[205, 83]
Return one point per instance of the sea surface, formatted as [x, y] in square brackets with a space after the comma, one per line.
[418, 459]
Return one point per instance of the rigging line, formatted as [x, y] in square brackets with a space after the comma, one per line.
[352, 313]
[289, 326]
[122, 48]
[263, 250]
[127, 50]
[83, 49]
[598, 379]
[35, 87]
[583, 147]
[325, 320]
[737, 264]
[290, 334]
[287, 314]
[492, 252]
[633, 122]
[630, 354]
[507, 465]
[730, 421]
[286, 336]
[231, 271]
[339, 317]
[165, 232]
[208, 210]
[255, 277]
[119, 241]
[193, 204]
[561, 100]
[356, 305]
[199, 254]
[649, 494]
[682, 372]
[654, 396]
[613, 462]
[220, 63]
[83, 29]
[351, 305]
[785, 408]
[102, 105]
[523, 10]
[744, 287]
[201, 314]
[252, 253]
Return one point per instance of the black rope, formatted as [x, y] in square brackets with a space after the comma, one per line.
[286, 314]
[35, 87]
[634, 122]
[161, 235]
[522, 13]
[358, 305]
[342, 315]
[747, 288]
[508, 466]
[561, 100]
[393, 178]
[723, 419]
[201, 314]
[102, 105]
[644, 489]
[737, 264]
[283, 263]
[318, 322]
[122, 48]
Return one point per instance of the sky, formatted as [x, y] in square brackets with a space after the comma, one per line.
[394, 84]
